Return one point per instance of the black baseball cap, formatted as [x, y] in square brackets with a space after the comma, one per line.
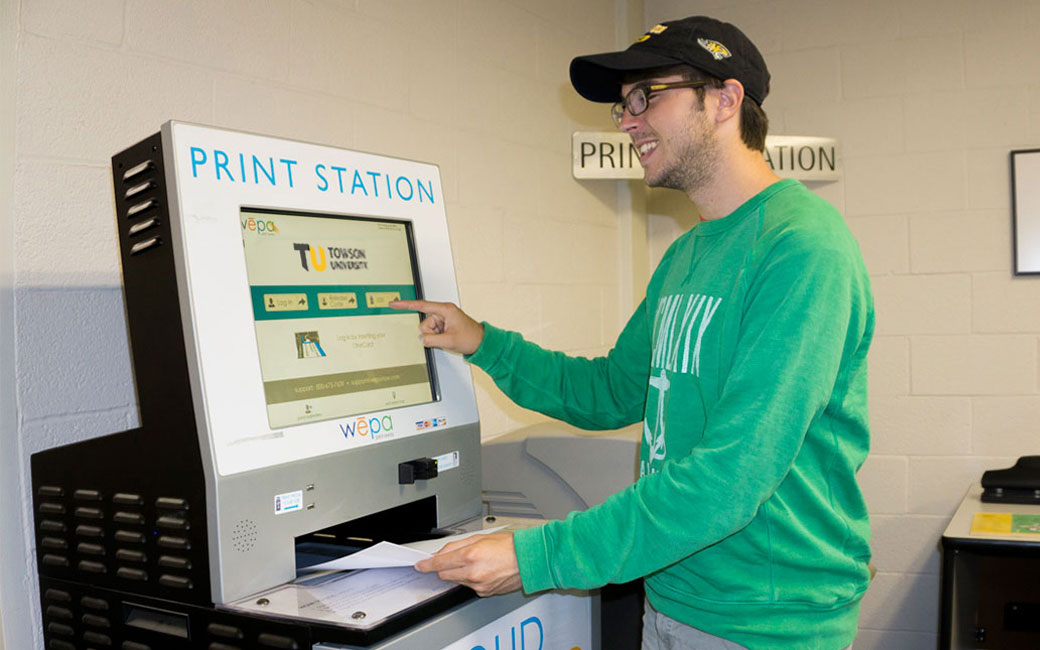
[712, 46]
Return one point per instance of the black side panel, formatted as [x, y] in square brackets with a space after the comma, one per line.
[127, 511]
[150, 288]
[76, 616]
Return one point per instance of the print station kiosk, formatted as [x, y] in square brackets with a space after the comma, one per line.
[287, 416]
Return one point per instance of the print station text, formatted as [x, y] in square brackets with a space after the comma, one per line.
[276, 171]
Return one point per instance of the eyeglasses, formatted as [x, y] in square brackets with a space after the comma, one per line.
[638, 99]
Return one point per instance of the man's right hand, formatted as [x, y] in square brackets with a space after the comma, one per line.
[445, 326]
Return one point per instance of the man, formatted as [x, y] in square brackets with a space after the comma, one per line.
[746, 363]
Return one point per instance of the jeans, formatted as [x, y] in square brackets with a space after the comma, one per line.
[663, 633]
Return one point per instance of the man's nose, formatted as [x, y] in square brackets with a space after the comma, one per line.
[628, 121]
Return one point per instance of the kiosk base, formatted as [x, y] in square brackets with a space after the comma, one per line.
[513, 622]
[82, 616]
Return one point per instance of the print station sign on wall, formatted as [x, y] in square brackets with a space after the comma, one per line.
[612, 155]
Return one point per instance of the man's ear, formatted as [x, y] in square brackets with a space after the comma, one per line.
[731, 96]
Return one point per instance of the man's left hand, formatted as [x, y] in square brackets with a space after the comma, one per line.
[484, 563]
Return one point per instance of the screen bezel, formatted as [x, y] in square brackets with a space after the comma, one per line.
[413, 260]
[216, 314]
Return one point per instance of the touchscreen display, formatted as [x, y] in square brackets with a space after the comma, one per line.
[328, 343]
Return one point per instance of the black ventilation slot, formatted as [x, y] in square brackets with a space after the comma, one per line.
[137, 209]
[143, 246]
[138, 189]
[142, 226]
[134, 172]
[86, 495]
[130, 537]
[143, 206]
[68, 619]
[53, 524]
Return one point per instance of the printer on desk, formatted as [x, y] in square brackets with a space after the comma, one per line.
[287, 415]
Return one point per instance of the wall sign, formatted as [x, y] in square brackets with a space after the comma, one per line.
[611, 154]
[608, 154]
[806, 158]
[1025, 210]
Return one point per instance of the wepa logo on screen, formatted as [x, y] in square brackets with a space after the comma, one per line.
[259, 226]
[335, 258]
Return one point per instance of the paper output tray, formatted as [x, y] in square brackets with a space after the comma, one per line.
[357, 607]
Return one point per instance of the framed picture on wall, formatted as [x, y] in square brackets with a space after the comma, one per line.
[1025, 210]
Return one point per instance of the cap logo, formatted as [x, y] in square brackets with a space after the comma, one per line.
[656, 29]
[714, 48]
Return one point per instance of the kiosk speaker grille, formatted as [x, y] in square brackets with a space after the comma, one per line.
[243, 536]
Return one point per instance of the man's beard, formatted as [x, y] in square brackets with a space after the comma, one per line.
[694, 162]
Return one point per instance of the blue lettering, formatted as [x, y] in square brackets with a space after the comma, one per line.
[257, 163]
[348, 430]
[524, 636]
[375, 184]
[323, 185]
[388, 192]
[339, 174]
[358, 183]
[221, 160]
[408, 184]
[242, 167]
[374, 425]
[541, 632]
[288, 167]
[423, 189]
[196, 161]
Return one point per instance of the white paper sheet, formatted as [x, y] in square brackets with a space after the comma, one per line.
[431, 546]
[387, 555]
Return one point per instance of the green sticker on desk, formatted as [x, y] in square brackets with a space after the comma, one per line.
[1002, 523]
[1028, 524]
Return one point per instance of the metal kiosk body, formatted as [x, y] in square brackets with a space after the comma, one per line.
[287, 415]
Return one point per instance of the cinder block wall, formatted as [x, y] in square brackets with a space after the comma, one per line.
[927, 98]
[478, 87]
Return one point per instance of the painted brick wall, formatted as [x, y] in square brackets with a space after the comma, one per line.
[478, 87]
[927, 98]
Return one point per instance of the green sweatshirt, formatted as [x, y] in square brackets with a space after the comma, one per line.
[747, 363]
